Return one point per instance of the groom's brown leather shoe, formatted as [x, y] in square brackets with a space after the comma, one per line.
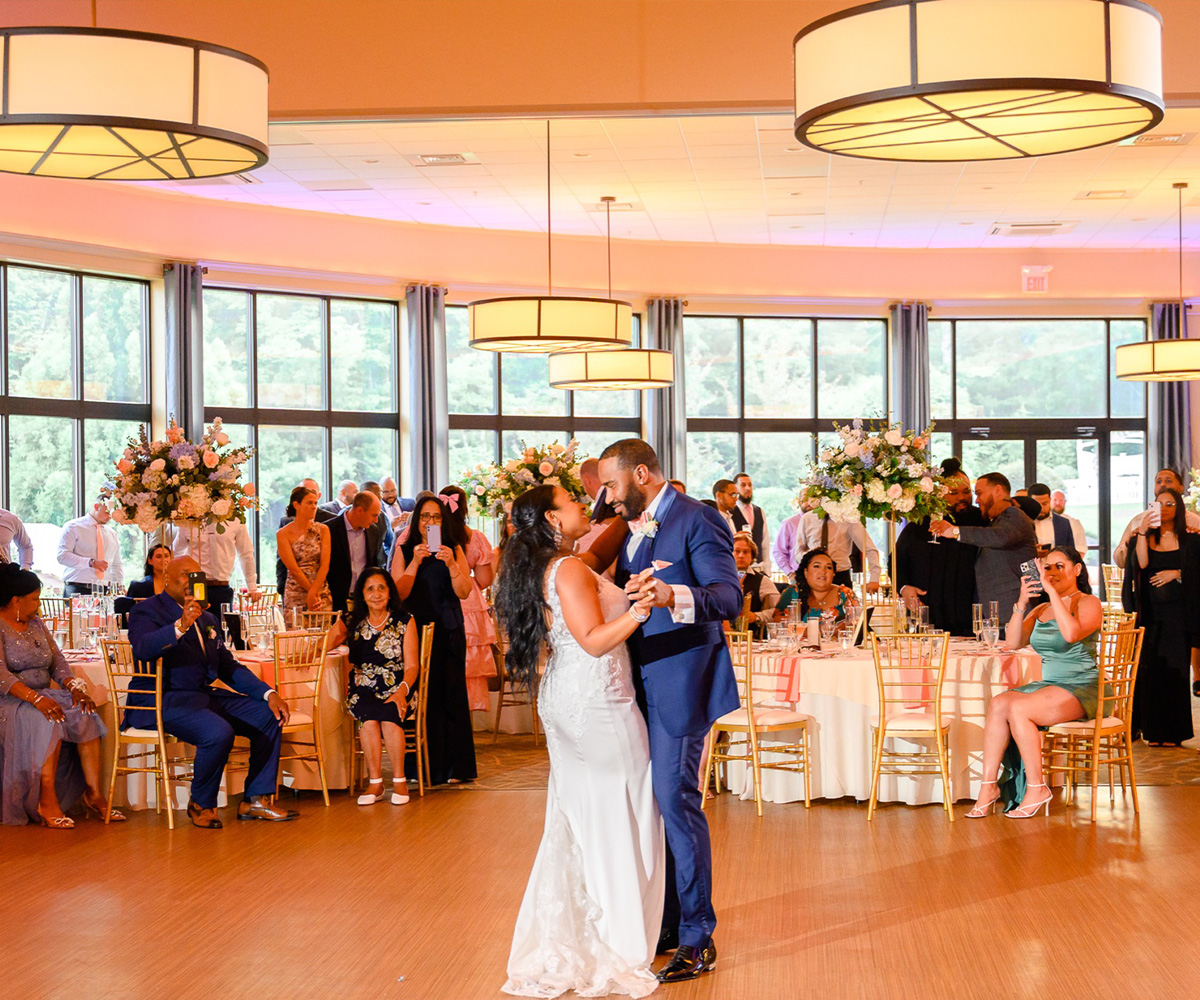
[260, 808]
[688, 963]
[205, 819]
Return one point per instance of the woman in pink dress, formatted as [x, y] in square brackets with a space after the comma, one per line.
[477, 617]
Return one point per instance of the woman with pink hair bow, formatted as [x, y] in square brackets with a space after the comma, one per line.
[477, 621]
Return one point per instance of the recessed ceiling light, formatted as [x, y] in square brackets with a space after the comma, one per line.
[370, 161]
[793, 149]
[424, 202]
[966, 223]
[582, 156]
[795, 227]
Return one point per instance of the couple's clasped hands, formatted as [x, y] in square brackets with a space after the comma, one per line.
[646, 592]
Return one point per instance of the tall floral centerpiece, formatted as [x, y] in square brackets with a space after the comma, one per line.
[495, 486]
[877, 470]
[174, 481]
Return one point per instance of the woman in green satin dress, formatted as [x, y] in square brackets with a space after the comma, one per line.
[1064, 633]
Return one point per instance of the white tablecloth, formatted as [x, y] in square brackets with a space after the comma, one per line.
[840, 696]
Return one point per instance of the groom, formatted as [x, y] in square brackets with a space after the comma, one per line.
[679, 550]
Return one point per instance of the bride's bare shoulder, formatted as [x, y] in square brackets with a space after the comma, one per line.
[573, 574]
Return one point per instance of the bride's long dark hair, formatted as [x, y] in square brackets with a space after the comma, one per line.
[520, 599]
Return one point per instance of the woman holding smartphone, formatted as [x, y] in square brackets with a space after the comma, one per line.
[1162, 584]
[433, 578]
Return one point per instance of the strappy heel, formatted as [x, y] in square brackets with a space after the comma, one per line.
[1029, 811]
[57, 823]
[116, 816]
[370, 798]
[980, 811]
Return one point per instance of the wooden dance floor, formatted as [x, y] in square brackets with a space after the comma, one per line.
[417, 902]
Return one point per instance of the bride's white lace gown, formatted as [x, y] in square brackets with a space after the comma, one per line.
[590, 917]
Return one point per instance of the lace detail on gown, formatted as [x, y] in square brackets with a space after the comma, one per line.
[590, 917]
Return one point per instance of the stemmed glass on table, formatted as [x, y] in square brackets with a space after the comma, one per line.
[977, 620]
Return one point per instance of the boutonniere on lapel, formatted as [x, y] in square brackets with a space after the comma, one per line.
[644, 526]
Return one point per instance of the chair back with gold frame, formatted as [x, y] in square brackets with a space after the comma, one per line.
[148, 747]
[1114, 579]
[1116, 618]
[909, 673]
[322, 620]
[421, 733]
[257, 623]
[299, 672]
[54, 607]
[264, 602]
[1107, 740]
[511, 693]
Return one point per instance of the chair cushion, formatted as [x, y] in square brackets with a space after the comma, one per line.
[763, 716]
[1084, 726]
[148, 735]
[913, 722]
[298, 720]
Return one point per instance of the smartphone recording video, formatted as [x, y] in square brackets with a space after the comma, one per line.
[198, 587]
[433, 537]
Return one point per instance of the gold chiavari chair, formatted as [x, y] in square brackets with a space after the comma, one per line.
[299, 671]
[421, 733]
[146, 746]
[1071, 747]
[1116, 618]
[319, 619]
[1114, 579]
[263, 602]
[257, 623]
[780, 579]
[909, 673]
[54, 607]
[511, 693]
[735, 736]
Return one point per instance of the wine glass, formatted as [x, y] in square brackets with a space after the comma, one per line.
[923, 618]
[977, 620]
[994, 611]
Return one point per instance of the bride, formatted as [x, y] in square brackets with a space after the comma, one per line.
[591, 913]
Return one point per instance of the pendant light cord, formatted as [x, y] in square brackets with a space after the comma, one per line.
[93, 13]
[608, 240]
[549, 252]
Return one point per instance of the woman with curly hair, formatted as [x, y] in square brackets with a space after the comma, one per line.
[814, 589]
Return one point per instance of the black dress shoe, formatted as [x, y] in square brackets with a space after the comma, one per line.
[260, 808]
[668, 940]
[688, 963]
[205, 819]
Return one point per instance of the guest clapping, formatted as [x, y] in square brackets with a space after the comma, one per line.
[815, 590]
[433, 584]
[383, 654]
[304, 547]
[46, 716]
[1063, 632]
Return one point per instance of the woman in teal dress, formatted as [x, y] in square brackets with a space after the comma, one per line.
[814, 590]
[1063, 632]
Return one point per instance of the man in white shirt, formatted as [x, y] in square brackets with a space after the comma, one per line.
[837, 538]
[12, 530]
[90, 551]
[1055, 529]
[217, 553]
[725, 495]
[396, 509]
[749, 517]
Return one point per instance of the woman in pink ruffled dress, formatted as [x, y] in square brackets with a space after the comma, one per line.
[477, 618]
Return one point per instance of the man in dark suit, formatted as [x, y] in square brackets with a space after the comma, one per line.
[682, 551]
[355, 542]
[346, 492]
[174, 627]
[387, 537]
[322, 517]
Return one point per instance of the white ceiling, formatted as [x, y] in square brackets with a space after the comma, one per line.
[722, 179]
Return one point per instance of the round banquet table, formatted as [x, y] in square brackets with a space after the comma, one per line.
[839, 694]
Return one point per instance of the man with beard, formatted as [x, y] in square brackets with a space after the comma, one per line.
[748, 516]
[941, 576]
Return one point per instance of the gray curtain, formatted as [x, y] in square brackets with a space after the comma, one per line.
[185, 346]
[666, 420]
[427, 405]
[910, 365]
[1168, 403]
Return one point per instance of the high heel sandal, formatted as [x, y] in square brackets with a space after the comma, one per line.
[399, 797]
[57, 823]
[1023, 811]
[370, 798]
[980, 811]
[116, 816]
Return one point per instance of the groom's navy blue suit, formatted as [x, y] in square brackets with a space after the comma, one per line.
[685, 682]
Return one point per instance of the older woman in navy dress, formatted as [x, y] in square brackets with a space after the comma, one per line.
[42, 706]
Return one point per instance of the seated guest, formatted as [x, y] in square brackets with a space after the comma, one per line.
[383, 654]
[1063, 631]
[49, 729]
[1054, 529]
[941, 576]
[678, 484]
[838, 540]
[814, 590]
[90, 552]
[354, 545]
[174, 627]
[153, 581]
[756, 585]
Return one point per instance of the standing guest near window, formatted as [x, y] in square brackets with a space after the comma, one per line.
[322, 517]
[477, 619]
[91, 552]
[216, 552]
[346, 492]
[1006, 542]
[1164, 479]
[756, 585]
[1054, 529]
[397, 508]
[153, 581]
[783, 549]
[433, 585]
[354, 546]
[13, 530]
[725, 495]
[42, 707]
[383, 655]
[748, 516]
[304, 547]
[387, 537]
[1162, 584]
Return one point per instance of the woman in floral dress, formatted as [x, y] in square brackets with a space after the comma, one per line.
[383, 654]
[303, 546]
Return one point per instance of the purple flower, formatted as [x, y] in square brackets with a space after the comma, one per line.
[183, 448]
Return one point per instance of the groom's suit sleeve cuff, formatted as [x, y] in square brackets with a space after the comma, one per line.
[684, 612]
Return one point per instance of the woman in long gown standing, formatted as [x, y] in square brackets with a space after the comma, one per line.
[477, 619]
[1162, 584]
[592, 909]
[303, 546]
[433, 586]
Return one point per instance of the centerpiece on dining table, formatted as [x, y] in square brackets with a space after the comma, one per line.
[174, 481]
[495, 486]
[876, 470]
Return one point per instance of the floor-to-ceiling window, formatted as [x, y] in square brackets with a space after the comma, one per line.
[498, 400]
[310, 381]
[1036, 399]
[75, 388]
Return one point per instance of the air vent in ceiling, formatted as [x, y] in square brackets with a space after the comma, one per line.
[1160, 139]
[1028, 229]
[442, 159]
[1109, 195]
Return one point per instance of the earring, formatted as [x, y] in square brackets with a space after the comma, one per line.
[558, 537]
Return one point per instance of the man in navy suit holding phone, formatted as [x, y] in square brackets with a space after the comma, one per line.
[682, 552]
